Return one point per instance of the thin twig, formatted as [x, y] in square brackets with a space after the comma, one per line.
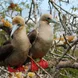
[62, 8]
[29, 13]
[66, 40]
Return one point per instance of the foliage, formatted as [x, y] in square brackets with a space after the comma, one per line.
[3, 37]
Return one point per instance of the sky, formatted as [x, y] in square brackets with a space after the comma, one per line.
[44, 6]
[44, 3]
[64, 5]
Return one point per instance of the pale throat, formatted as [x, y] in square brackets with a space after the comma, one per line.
[44, 22]
[45, 32]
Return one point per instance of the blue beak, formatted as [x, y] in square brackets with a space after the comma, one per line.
[15, 27]
[53, 21]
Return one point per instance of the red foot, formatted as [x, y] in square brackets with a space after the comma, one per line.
[42, 63]
[34, 67]
[20, 68]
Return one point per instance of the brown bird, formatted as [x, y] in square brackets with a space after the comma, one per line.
[42, 37]
[18, 49]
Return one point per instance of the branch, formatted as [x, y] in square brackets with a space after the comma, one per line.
[68, 49]
[40, 66]
[66, 40]
[53, 3]
[50, 7]
[62, 23]
[64, 64]
[29, 13]
[34, 10]
[59, 60]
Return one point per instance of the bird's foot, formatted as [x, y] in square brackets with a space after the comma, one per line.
[18, 69]
[42, 63]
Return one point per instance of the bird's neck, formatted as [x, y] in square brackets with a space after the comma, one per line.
[20, 33]
[44, 22]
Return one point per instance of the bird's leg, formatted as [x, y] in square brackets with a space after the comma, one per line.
[43, 63]
[40, 62]
[19, 68]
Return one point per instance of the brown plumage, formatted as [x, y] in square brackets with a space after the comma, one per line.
[19, 45]
[42, 37]
[5, 51]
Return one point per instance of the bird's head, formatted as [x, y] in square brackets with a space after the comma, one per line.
[18, 23]
[47, 18]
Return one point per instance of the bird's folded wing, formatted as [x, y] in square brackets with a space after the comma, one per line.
[32, 36]
[5, 51]
[7, 42]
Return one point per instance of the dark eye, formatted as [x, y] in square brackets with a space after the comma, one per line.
[48, 18]
[19, 24]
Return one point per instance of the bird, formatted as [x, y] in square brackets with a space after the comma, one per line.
[18, 49]
[42, 37]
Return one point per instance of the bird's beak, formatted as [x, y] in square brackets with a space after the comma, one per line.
[15, 27]
[54, 21]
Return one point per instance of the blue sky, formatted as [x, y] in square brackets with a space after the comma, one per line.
[44, 4]
[64, 5]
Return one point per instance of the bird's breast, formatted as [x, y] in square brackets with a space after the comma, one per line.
[46, 33]
[21, 41]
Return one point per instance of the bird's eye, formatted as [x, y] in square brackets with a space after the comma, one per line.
[19, 24]
[48, 18]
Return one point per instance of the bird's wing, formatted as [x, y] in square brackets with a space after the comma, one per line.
[7, 42]
[5, 51]
[32, 36]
